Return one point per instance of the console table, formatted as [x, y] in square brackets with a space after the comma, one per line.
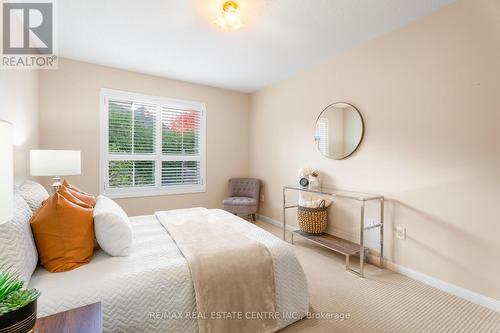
[335, 243]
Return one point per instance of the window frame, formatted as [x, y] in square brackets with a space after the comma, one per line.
[158, 189]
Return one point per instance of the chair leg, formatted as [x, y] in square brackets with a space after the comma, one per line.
[254, 218]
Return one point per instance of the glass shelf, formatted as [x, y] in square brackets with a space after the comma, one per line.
[336, 193]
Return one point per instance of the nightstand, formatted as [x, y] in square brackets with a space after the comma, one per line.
[85, 319]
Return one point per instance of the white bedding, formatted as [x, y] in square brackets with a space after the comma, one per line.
[155, 278]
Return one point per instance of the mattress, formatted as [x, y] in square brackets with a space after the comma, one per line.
[151, 290]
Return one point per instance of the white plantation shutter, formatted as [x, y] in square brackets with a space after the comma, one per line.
[132, 134]
[130, 173]
[180, 173]
[181, 131]
[151, 145]
[132, 127]
[181, 149]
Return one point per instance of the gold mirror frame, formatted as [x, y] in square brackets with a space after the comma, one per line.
[360, 138]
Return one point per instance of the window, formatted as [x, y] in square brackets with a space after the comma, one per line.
[151, 145]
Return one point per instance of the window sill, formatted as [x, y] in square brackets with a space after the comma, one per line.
[138, 193]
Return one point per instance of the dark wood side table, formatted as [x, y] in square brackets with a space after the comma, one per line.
[85, 319]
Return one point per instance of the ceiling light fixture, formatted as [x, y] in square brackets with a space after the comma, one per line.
[229, 18]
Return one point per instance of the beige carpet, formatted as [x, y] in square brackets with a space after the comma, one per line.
[382, 302]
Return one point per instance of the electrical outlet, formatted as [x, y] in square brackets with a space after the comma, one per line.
[401, 233]
[262, 198]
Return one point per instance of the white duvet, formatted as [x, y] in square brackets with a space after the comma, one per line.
[151, 290]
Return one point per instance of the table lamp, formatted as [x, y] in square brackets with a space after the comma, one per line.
[7, 173]
[55, 163]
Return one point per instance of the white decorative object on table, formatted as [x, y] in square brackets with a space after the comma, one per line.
[312, 177]
[310, 200]
[305, 172]
[314, 180]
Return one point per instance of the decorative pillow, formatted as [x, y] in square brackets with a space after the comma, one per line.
[69, 194]
[73, 187]
[84, 196]
[17, 248]
[73, 197]
[33, 193]
[112, 227]
[64, 234]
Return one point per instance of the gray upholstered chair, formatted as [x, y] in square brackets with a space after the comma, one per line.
[244, 194]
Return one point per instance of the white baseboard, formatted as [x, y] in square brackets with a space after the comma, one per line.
[276, 223]
[450, 288]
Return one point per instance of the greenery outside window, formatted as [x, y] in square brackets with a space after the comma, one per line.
[151, 145]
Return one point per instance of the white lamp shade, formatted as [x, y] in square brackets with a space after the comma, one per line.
[55, 162]
[6, 173]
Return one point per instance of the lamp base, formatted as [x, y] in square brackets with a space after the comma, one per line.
[56, 185]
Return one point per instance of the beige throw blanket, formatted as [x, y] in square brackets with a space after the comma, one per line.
[232, 274]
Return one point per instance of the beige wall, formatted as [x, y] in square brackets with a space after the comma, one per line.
[19, 105]
[69, 119]
[430, 97]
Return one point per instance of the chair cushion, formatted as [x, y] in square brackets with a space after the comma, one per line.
[33, 193]
[112, 227]
[240, 201]
[17, 247]
[64, 234]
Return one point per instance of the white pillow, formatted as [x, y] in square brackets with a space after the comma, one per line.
[33, 193]
[112, 227]
[17, 247]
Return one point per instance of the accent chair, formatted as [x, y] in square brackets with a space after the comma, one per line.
[244, 194]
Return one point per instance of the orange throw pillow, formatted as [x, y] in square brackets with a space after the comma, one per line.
[67, 184]
[64, 234]
[83, 196]
[71, 196]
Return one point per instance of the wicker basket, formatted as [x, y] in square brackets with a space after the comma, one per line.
[313, 220]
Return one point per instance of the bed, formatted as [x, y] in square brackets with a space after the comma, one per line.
[151, 290]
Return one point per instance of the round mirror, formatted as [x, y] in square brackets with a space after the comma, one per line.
[339, 130]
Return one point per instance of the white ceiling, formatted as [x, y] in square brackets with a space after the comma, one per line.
[177, 39]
